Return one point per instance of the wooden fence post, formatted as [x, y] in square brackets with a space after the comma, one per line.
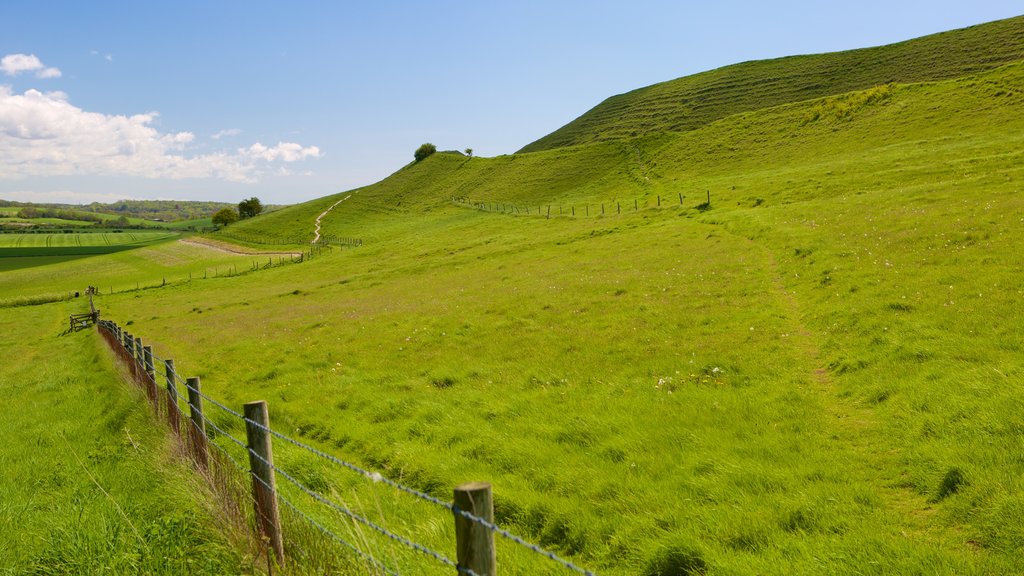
[200, 451]
[173, 419]
[261, 463]
[151, 390]
[475, 542]
[129, 348]
[138, 352]
[151, 377]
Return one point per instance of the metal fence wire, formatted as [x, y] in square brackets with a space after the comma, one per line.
[142, 367]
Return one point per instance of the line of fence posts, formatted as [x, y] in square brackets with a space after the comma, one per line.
[494, 206]
[475, 548]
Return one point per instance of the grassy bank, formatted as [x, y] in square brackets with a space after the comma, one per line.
[89, 483]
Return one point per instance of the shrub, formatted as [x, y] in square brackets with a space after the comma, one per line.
[225, 216]
[424, 150]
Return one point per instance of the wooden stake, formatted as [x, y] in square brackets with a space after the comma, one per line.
[173, 418]
[475, 542]
[151, 390]
[264, 487]
[200, 450]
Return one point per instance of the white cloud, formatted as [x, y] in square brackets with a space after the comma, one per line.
[14, 64]
[43, 134]
[226, 132]
[285, 151]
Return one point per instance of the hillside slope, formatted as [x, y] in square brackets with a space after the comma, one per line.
[693, 101]
[819, 373]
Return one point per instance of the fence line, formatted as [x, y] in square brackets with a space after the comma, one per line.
[324, 240]
[570, 210]
[475, 558]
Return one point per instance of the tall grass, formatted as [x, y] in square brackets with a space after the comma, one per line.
[89, 485]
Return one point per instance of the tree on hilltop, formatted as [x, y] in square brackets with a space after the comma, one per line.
[224, 216]
[425, 150]
[249, 208]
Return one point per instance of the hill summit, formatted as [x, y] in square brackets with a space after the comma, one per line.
[693, 101]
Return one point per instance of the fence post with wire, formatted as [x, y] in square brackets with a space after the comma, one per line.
[472, 508]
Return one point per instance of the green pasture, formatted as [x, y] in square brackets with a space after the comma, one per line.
[817, 373]
[41, 278]
[89, 482]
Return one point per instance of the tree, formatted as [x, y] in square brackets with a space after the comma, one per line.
[425, 150]
[249, 208]
[469, 152]
[225, 216]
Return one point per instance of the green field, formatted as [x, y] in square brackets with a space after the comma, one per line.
[818, 372]
[89, 485]
[164, 262]
[28, 250]
[83, 239]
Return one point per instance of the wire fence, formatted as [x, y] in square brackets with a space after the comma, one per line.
[262, 239]
[324, 532]
[583, 210]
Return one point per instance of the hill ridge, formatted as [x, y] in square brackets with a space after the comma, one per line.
[693, 101]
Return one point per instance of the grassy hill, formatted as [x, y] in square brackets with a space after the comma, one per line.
[818, 372]
[694, 101]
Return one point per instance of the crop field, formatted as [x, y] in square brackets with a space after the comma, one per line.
[82, 239]
[146, 266]
[28, 250]
[818, 371]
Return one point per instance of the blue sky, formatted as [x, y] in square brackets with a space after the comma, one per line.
[290, 101]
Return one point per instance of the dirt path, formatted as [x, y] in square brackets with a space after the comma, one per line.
[316, 231]
[231, 248]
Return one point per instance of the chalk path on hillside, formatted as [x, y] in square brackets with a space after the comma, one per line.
[316, 231]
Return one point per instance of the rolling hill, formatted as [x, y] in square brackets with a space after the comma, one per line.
[818, 371]
[693, 101]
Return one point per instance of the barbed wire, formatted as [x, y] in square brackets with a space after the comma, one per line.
[373, 476]
[328, 532]
[377, 477]
[361, 519]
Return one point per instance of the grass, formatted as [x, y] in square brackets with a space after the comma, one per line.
[154, 265]
[89, 484]
[698, 100]
[817, 372]
[75, 240]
